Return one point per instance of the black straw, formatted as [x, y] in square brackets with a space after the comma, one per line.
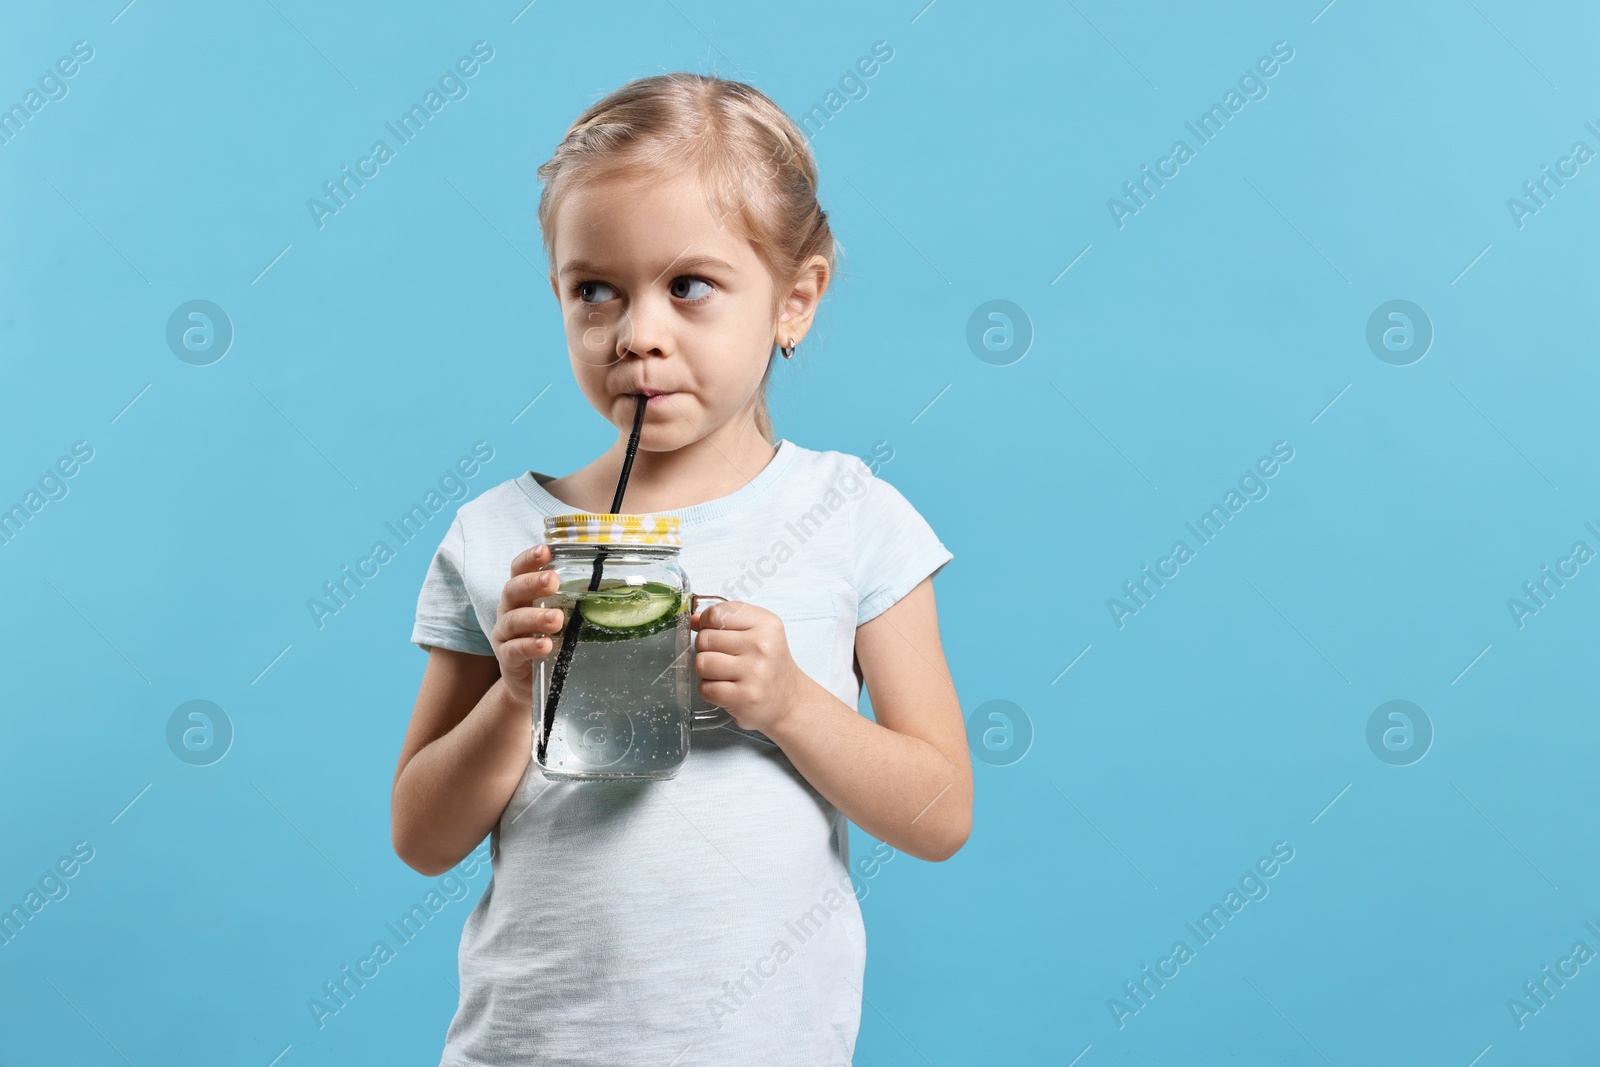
[569, 635]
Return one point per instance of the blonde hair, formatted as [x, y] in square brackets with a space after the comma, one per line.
[752, 160]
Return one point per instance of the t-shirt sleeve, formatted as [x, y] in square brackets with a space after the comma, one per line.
[445, 618]
[893, 547]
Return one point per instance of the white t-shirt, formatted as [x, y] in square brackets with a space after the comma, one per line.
[709, 919]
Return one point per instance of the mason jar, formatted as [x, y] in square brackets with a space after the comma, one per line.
[615, 697]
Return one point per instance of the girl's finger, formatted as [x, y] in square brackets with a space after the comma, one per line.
[710, 640]
[520, 622]
[716, 666]
[530, 559]
[529, 648]
[525, 588]
[538, 584]
[730, 615]
[524, 624]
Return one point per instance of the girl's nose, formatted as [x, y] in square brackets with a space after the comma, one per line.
[643, 331]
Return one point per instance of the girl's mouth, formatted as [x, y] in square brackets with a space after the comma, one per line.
[656, 398]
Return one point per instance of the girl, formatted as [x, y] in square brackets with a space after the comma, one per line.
[708, 919]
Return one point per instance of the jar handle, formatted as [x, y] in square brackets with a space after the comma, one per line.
[706, 715]
[695, 598]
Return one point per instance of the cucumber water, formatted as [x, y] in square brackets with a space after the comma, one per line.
[621, 713]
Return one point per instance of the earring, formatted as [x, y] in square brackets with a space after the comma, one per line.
[788, 351]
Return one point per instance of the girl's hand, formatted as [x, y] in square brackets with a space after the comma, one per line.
[743, 660]
[520, 629]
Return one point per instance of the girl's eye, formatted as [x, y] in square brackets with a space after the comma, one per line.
[582, 289]
[682, 287]
[690, 281]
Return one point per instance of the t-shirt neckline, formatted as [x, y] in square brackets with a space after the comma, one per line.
[548, 504]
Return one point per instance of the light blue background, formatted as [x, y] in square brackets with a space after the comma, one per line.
[1227, 315]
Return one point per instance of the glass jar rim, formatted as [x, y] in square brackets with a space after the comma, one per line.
[614, 549]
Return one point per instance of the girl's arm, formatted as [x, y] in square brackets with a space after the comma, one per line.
[907, 778]
[466, 749]
[471, 734]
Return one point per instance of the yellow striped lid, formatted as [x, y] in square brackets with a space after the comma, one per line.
[583, 527]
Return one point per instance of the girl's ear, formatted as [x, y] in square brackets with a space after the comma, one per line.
[800, 305]
[554, 287]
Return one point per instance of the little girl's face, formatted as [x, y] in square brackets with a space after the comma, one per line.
[658, 297]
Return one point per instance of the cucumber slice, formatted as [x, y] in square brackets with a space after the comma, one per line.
[590, 632]
[628, 607]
